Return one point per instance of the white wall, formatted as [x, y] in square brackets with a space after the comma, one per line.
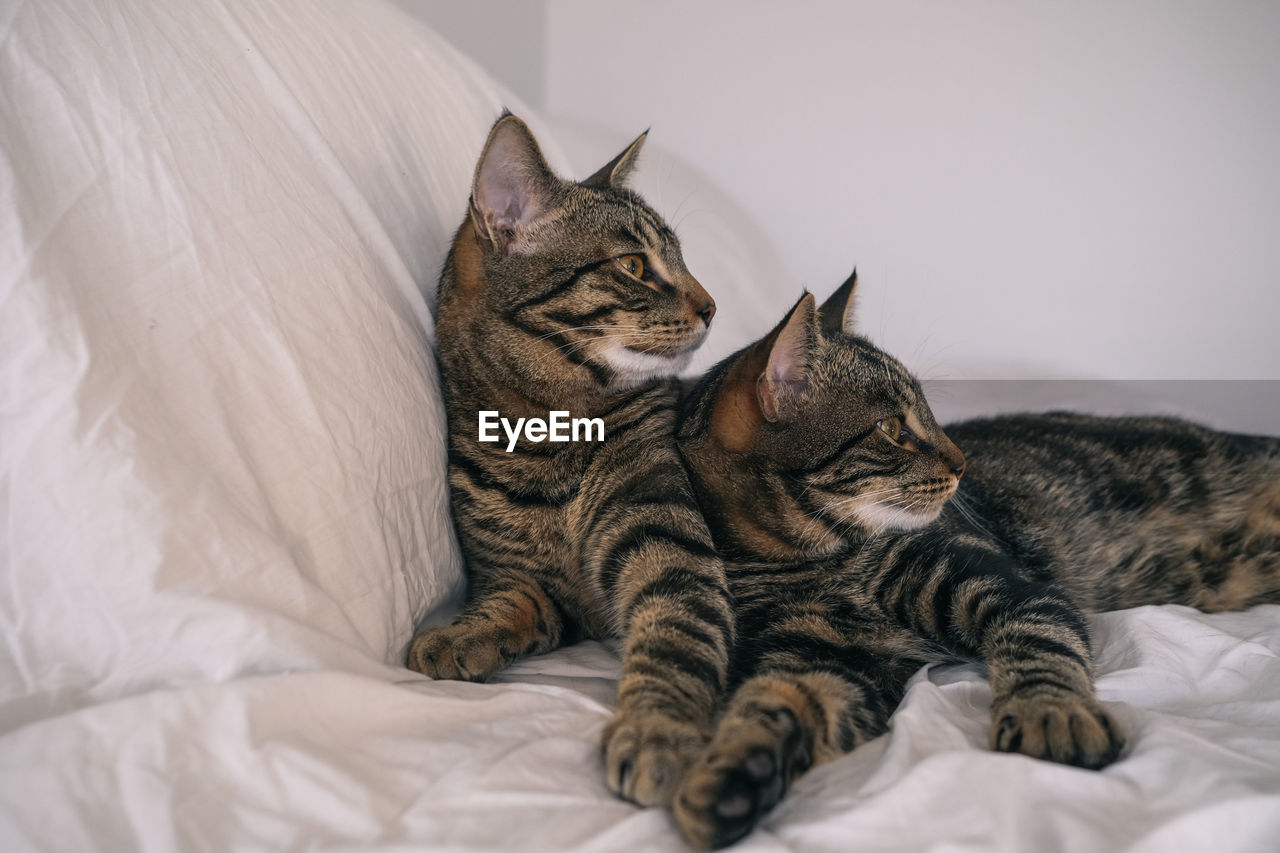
[1081, 189]
[507, 37]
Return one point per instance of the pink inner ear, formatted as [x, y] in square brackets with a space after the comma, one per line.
[765, 392]
[788, 360]
[503, 192]
[790, 353]
[510, 185]
[784, 373]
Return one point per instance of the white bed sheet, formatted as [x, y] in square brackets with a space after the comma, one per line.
[338, 761]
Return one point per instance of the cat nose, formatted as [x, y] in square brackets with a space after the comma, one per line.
[707, 311]
[951, 455]
[700, 301]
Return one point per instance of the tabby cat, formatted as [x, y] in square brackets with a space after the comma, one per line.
[574, 297]
[856, 552]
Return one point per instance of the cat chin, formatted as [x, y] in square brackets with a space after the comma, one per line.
[876, 517]
[633, 368]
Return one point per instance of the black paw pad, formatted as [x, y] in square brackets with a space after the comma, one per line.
[737, 809]
[734, 805]
[749, 791]
[760, 765]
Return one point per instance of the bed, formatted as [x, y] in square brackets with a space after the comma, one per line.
[224, 510]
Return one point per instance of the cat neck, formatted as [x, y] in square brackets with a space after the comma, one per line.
[756, 514]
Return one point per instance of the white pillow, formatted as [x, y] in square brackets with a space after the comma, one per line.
[222, 449]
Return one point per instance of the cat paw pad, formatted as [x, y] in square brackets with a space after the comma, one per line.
[727, 792]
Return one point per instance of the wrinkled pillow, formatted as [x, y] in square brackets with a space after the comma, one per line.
[222, 446]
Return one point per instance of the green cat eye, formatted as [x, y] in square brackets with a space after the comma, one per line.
[633, 264]
[892, 428]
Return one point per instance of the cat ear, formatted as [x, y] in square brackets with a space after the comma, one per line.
[513, 185]
[615, 173]
[837, 311]
[786, 376]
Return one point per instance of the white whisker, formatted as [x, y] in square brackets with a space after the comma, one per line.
[970, 514]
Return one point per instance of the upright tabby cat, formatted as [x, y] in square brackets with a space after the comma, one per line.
[574, 296]
[856, 552]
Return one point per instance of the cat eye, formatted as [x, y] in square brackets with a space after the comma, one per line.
[633, 264]
[900, 434]
[892, 428]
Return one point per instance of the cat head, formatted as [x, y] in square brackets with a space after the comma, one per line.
[820, 422]
[576, 279]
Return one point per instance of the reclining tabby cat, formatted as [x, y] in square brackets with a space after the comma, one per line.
[860, 543]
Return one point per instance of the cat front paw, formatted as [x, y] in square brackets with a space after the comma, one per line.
[460, 652]
[647, 753]
[1070, 729]
[738, 780]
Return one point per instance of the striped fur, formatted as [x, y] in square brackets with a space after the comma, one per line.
[543, 307]
[853, 559]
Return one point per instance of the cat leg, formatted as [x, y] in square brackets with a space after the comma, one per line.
[654, 563]
[1241, 581]
[674, 664]
[974, 600]
[778, 724]
[1240, 567]
[1035, 643]
[513, 616]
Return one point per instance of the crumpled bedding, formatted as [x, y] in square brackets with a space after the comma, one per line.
[222, 501]
[340, 761]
